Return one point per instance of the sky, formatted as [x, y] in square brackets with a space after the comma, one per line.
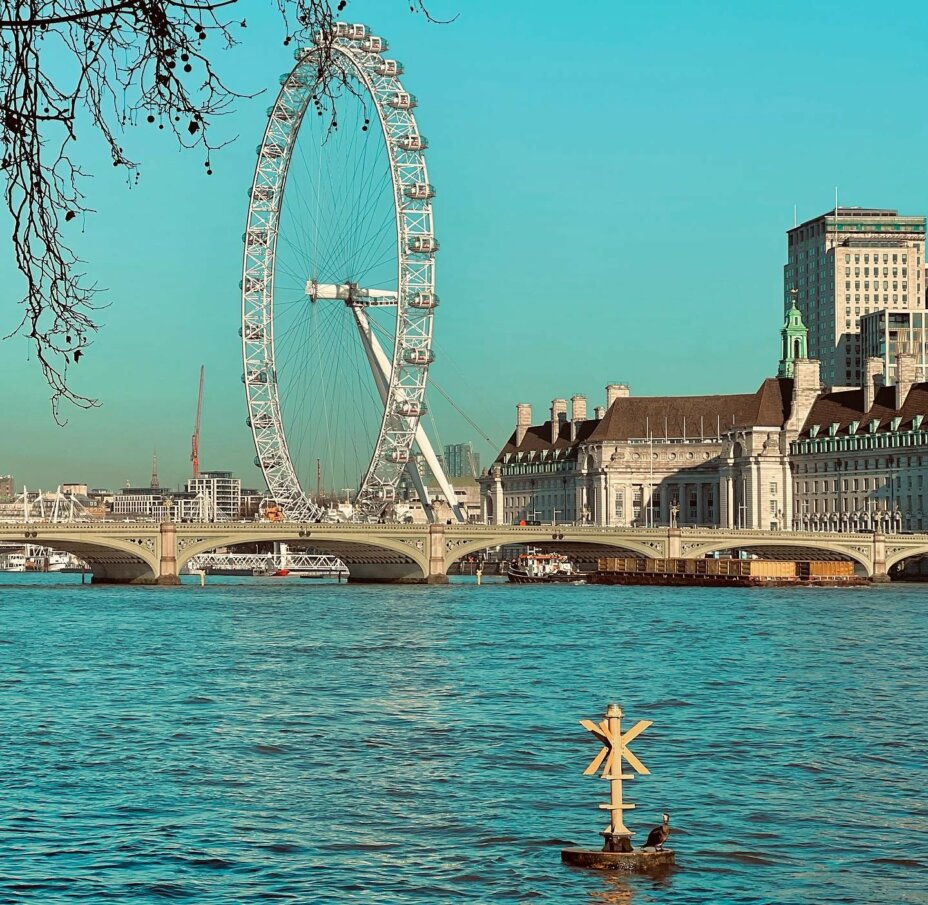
[614, 187]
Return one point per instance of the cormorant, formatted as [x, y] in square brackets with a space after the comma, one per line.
[658, 836]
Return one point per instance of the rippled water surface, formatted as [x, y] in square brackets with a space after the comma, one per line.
[287, 740]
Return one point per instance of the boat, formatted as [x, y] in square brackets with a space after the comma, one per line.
[717, 572]
[533, 567]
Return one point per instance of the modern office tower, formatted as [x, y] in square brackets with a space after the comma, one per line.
[846, 264]
[461, 461]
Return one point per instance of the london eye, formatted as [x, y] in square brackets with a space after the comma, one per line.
[338, 282]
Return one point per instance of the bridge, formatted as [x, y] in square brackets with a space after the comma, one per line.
[151, 553]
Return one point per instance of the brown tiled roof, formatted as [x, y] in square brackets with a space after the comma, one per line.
[844, 406]
[538, 438]
[635, 416]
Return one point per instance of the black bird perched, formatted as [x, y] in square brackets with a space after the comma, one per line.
[658, 836]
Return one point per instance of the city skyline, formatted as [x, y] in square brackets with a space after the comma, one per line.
[722, 218]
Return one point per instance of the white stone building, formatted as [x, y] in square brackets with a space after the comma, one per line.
[844, 265]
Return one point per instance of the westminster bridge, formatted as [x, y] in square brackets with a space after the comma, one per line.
[149, 553]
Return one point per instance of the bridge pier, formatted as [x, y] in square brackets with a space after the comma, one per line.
[674, 543]
[167, 565]
[878, 558]
[436, 573]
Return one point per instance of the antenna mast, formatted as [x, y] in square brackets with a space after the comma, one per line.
[195, 439]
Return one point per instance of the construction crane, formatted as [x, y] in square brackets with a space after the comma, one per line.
[195, 439]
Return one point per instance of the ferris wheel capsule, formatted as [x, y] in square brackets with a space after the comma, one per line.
[413, 143]
[402, 101]
[419, 191]
[374, 44]
[390, 68]
[422, 245]
[424, 300]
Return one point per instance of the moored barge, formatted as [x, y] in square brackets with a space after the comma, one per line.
[719, 572]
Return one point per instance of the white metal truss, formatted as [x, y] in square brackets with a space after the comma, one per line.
[360, 53]
[313, 563]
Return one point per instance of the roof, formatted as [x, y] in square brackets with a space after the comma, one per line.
[637, 417]
[844, 406]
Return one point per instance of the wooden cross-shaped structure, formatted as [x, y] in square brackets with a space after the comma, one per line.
[615, 749]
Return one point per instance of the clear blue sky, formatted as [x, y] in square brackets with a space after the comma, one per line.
[614, 191]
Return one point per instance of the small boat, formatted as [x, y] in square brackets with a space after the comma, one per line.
[533, 567]
[281, 573]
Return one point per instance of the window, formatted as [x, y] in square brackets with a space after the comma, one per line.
[773, 488]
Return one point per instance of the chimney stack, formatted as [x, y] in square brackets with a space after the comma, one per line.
[807, 386]
[577, 414]
[616, 391]
[578, 408]
[873, 380]
[599, 411]
[558, 417]
[523, 421]
[905, 376]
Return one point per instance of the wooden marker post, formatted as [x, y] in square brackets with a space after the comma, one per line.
[617, 852]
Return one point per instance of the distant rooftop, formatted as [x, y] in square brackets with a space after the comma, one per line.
[859, 213]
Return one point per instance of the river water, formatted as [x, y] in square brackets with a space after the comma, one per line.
[286, 740]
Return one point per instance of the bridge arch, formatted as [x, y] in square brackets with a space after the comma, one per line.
[111, 559]
[899, 555]
[743, 543]
[383, 559]
[464, 548]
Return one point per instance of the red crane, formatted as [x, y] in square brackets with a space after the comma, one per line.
[195, 439]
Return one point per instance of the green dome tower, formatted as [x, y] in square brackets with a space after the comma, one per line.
[795, 341]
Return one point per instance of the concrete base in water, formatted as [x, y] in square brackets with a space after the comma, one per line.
[638, 860]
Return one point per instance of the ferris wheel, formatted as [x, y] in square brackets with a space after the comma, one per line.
[338, 284]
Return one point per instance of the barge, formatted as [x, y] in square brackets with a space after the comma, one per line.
[739, 573]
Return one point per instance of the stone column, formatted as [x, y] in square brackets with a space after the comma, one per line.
[436, 551]
[601, 516]
[167, 567]
[727, 502]
[700, 519]
[499, 503]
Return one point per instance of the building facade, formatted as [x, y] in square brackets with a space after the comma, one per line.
[861, 460]
[461, 461]
[656, 461]
[844, 265]
[221, 490]
[6, 487]
[159, 505]
[887, 334]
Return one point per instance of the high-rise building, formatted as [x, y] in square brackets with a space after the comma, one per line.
[6, 487]
[845, 264]
[223, 492]
[460, 461]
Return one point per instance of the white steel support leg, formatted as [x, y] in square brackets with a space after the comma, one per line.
[380, 365]
[371, 348]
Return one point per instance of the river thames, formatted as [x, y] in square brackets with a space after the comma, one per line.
[286, 740]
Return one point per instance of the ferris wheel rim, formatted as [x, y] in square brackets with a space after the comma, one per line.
[416, 246]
